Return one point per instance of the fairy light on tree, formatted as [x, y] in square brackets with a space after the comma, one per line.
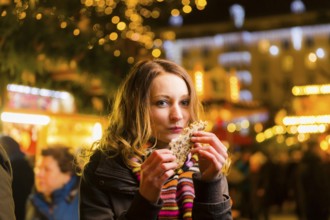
[99, 21]
[99, 36]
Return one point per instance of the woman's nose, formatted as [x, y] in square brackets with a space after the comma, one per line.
[176, 113]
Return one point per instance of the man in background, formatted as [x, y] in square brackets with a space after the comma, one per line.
[22, 174]
[7, 209]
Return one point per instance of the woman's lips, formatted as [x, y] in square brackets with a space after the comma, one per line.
[176, 130]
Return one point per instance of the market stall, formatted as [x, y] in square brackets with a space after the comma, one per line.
[38, 117]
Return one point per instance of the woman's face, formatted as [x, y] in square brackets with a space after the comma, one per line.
[48, 176]
[169, 107]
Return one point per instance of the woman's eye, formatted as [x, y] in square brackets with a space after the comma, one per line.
[161, 103]
[185, 102]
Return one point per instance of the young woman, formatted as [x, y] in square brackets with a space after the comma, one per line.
[132, 174]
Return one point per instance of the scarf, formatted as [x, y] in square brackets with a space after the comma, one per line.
[178, 191]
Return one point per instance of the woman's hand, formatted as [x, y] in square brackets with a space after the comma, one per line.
[212, 154]
[155, 170]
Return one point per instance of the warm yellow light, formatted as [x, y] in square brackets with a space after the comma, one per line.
[278, 129]
[260, 137]
[135, 17]
[292, 129]
[301, 120]
[269, 133]
[296, 91]
[113, 36]
[129, 11]
[121, 26]
[175, 12]
[290, 141]
[311, 128]
[135, 36]
[324, 145]
[97, 132]
[245, 124]
[4, 13]
[168, 35]
[116, 53]
[155, 14]
[156, 52]
[101, 41]
[234, 88]
[115, 19]
[311, 90]
[20, 118]
[158, 42]
[108, 11]
[325, 89]
[130, 60]
[302, 137]
[129, 34]
[312, 57]
[39, 16]
[201, 3]
[199, 82]
[258, 127]
[22, 15]
[76, 32]
[186, 9]
[231, 127]
[148, 45]
[63, 24]
[89, 3]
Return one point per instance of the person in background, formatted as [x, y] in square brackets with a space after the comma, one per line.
[7, 206]
[260, 179]
[22, 173]
[314, 182]
[132, 174]
[55, 196]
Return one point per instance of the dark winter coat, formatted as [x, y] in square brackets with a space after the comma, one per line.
[109, 190]
[22, 173]
[6, 195]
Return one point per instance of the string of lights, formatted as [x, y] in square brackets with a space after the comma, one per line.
[105, 22]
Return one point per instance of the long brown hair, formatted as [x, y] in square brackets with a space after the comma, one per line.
[129, 126]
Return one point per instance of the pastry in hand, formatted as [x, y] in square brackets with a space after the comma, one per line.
[181, 145]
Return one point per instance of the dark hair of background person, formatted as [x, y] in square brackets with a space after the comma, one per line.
[23, 176]
[63, 156]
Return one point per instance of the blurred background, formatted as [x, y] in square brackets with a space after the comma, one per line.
[261, 68]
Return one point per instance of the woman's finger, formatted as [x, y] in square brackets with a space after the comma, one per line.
[211, 139]
[158, 163]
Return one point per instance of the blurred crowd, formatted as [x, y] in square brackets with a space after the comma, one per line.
[294, 181]
[46, 186]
